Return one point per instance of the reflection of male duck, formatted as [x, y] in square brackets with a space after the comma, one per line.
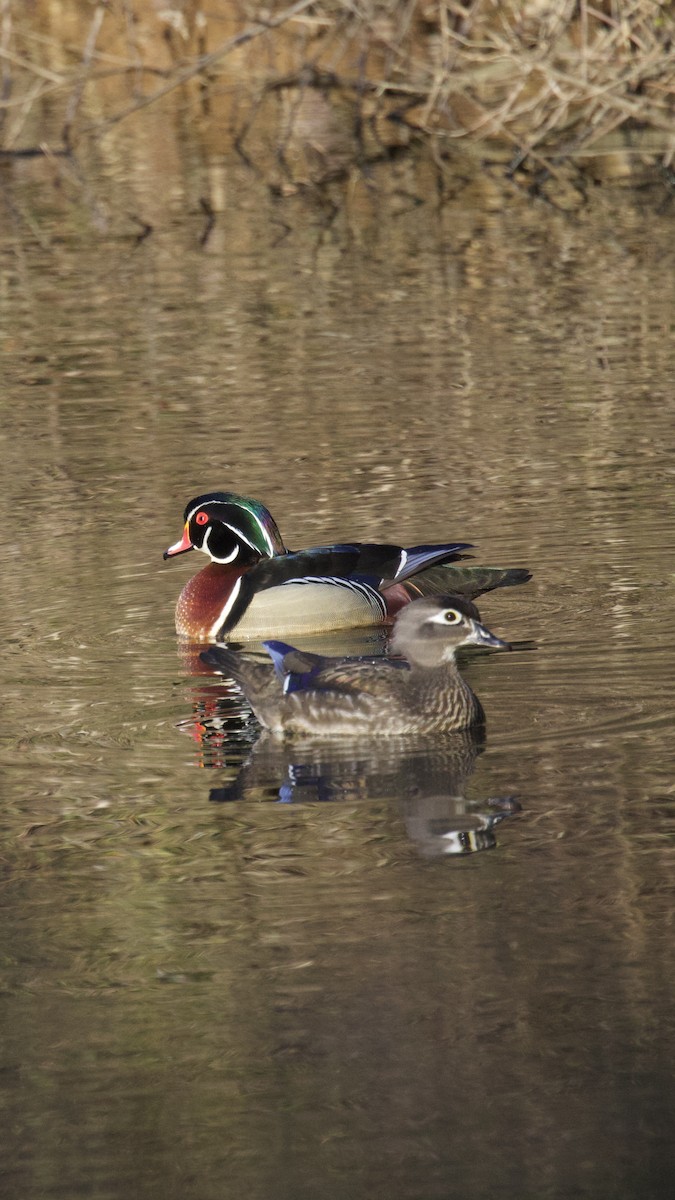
[420, 693]
[428, 784]
[255, 588]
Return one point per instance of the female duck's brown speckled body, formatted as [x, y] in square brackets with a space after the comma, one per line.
[420, 693]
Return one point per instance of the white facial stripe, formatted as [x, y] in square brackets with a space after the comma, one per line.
[265, 535]
[225, 611]
[439, 619]
[238, 534]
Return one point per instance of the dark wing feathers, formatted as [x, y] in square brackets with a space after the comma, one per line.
[369, 561]
[420, 558]
[294, 668]
[359, 676]
[301, 671]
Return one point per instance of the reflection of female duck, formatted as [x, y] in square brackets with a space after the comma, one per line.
[358, 769]
[443, 823]
[427, 782]
[423, 692]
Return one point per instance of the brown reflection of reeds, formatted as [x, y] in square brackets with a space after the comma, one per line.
[540, 82]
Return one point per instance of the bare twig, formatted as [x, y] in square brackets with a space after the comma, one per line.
[204, 61]
[76, 95]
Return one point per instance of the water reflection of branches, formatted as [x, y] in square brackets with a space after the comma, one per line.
[544, 82]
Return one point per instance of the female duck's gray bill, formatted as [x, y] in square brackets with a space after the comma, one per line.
[483, 637]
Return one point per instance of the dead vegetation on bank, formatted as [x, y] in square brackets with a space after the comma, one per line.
[541, 83]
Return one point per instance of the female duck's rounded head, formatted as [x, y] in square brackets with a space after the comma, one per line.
[229, 528]
[429, 631]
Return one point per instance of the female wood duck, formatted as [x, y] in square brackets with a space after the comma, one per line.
[422, 692]
[254, 587]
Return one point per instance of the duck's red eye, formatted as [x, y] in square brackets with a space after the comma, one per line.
[202, 518]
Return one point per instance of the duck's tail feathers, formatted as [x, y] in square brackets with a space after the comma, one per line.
[248, 670]
[468, 581]
[224, 661]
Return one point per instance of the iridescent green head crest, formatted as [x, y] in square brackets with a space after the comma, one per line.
[228, 527]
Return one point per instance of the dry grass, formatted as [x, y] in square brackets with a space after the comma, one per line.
[548, 79]
[553, 78]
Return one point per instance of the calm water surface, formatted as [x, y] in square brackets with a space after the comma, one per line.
[345, 970]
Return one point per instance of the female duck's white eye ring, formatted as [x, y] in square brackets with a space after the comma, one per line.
[451, 616]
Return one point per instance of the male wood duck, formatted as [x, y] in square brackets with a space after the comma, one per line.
[420, 693]
[255, 588]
